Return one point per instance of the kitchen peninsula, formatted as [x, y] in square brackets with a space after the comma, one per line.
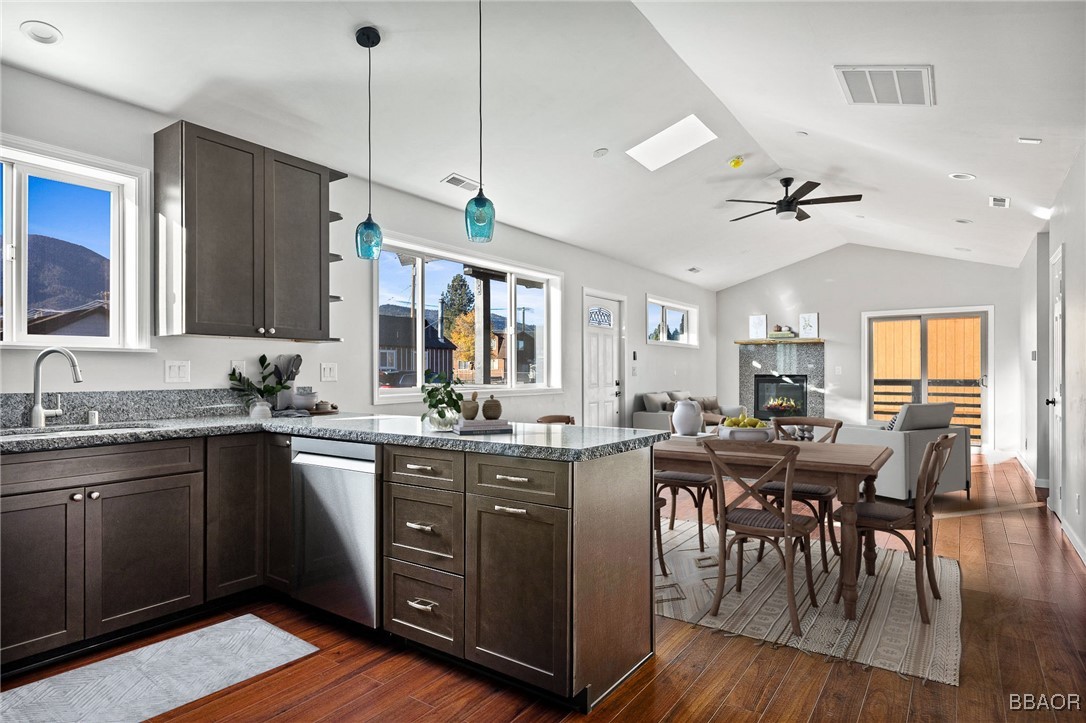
[530, 556]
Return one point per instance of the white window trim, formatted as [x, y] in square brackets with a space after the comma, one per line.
[552, 334]
[693, 317]
[131, 286]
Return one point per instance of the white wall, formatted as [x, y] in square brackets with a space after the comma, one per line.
[843, 282]
[43, 110]
[1068, 227]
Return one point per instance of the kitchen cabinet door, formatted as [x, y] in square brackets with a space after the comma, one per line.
[235, 513]
[517, 589]
[279, 515]
[144, 550]
[41, 572]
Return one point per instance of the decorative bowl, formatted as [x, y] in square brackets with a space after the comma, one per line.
[746, 434]
[305, 400]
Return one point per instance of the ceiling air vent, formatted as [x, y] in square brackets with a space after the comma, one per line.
[455, 179]
[999, 202]
[887, 84]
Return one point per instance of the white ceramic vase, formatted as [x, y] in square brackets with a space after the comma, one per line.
[686, 418]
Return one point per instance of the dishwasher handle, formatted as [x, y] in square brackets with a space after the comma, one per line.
[344, 463]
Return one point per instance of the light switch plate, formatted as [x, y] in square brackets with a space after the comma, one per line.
[329, 372]
[177, 372]
[837, 371]
[238, 365]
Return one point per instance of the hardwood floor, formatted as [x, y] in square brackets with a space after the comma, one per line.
[1023, 631]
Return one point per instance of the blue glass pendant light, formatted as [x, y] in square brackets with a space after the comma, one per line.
[479, 214]
[367, 236]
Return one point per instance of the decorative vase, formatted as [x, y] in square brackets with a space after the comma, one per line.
[686, 418]
[442, 424]
[470, 408]
[260, 410]
[492, 408]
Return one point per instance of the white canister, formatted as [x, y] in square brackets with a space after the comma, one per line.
[260, 410]
[686, 418]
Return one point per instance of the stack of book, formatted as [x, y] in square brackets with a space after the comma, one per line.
[782, 335]
[482, 426]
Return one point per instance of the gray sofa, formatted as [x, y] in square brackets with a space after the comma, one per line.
[653, 410]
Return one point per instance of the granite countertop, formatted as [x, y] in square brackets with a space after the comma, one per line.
[559, 442]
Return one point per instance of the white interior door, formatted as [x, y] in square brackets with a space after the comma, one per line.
[1055, 403]
[602, 378]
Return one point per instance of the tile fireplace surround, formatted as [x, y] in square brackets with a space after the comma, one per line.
[784, 359]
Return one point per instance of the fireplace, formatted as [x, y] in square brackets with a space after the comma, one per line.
[780, 396]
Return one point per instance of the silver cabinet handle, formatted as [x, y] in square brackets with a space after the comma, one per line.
[510, 510]
[78, 497]
[95, 495]
[507, 478]
[427, 606]
[420, 527]
[271, 330]
[260, 330]
[420, 467]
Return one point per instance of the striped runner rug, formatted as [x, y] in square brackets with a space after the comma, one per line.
[887, 633]
[156, 678]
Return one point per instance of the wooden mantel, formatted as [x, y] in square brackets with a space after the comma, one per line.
[780, 341]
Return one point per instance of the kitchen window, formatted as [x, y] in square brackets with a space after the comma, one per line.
[71, 239]
[488, 324]
[672, 323]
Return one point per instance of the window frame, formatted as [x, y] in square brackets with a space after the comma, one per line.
[551, 338]
[692, 322]
[130, 273]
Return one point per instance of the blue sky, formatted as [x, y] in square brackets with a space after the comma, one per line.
[72, 213]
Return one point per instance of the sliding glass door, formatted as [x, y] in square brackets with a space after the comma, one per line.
[930, 358]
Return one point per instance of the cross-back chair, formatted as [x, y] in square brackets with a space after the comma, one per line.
[772, 524]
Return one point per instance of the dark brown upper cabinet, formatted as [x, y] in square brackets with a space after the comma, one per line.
[242, 237]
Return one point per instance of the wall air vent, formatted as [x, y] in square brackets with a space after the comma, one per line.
[462, 182]
[999, 202]
[887, 84]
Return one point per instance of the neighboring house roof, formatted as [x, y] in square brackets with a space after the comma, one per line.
[394, 330]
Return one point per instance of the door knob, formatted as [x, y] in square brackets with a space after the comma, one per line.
[1050, 402]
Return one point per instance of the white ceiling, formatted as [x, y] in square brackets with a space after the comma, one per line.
[565, 78]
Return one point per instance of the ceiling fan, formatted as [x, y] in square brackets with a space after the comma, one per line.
[789, 207]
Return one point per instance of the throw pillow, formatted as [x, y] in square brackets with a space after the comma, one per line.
[678, 396]
[891, 423]
[708, 404]
[654, 402]
[670, 406]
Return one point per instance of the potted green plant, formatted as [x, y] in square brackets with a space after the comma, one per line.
[442, 401]
[257, 397]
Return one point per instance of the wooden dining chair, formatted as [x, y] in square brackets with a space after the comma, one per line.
[817, 498]
[658, 528]
[770, 523]
[556, 419]
[699, 486]
[918, 517]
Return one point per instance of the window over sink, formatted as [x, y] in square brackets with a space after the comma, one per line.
[489, 324]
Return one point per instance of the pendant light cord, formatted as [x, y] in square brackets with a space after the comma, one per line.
[480, 95]
[369, 128]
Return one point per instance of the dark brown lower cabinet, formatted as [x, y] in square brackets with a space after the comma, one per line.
[144, 550]
[517, 590]
[235, 513]
[278, 515]
[41, 572]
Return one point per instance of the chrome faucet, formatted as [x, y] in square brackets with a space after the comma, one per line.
[38, 415]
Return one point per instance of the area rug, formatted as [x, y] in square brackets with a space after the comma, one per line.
[887, 633]
[140, 684]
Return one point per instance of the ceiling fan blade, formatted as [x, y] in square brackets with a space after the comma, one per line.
[764, 210]
[805, 189]
[743, 200]
[802, 215]
[831, 199]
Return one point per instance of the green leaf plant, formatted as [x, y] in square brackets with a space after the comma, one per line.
[251, 392]
[439, 395]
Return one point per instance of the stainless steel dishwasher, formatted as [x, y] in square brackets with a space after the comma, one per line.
[336, 545]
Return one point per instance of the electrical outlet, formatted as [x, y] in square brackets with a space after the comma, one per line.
[177, 372]
[238, 366]
[633, 370]
[329, 372]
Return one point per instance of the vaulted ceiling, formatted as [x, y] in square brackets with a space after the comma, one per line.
[563, 79]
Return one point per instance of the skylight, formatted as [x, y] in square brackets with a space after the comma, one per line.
[672, 143]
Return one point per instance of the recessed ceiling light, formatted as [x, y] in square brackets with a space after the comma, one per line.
[859, 216]
[694, 270]
[963, 220]
[672, 143]
[802, 133]
[600, 152]
[1029, 141]
[40, 32]
[963, 176]
[963, 249]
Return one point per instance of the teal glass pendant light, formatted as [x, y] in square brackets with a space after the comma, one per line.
[367, 236]
[479, 214]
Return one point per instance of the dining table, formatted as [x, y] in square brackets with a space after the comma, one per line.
[845, 467]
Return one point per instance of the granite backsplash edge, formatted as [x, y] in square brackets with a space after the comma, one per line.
[122, 406]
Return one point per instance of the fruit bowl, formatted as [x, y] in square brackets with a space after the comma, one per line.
[746, 434]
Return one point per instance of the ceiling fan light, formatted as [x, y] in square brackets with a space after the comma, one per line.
[786, 215]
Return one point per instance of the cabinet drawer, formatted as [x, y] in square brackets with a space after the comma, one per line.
[41, 471]
[425, 526]
[425, 605]
[528, 480]
[435, 468]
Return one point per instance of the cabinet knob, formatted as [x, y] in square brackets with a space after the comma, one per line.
[78, 497]
[271, 330]
[260, 330]
[95, 495]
